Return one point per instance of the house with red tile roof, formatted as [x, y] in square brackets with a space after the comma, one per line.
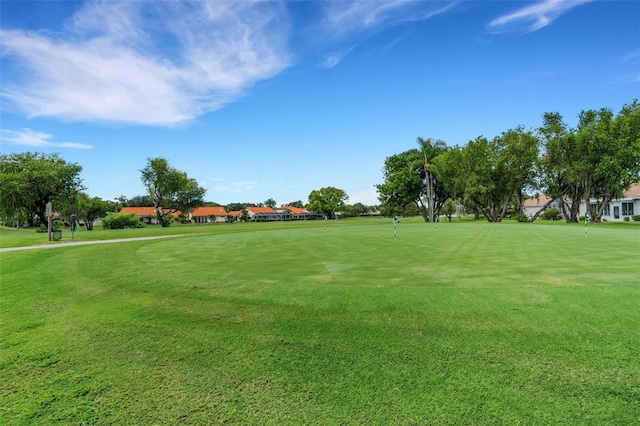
[297, 213]
[263, 214]
[208, 215]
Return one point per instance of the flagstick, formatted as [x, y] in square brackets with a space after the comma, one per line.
[395, 235]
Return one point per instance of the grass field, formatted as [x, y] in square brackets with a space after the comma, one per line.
[295, 323]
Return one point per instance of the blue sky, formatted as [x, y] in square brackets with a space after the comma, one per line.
[269, 99]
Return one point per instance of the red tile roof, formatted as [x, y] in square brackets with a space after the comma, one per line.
[294, 210]
[258, 210]
[209, 211]
[633, 191]
[540, 200]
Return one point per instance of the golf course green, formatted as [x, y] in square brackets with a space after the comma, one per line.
[348, 322]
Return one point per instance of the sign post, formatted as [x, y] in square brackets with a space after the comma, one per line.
[49, 213]
[73, 225]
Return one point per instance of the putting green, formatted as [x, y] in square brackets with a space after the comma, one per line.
[453, 255]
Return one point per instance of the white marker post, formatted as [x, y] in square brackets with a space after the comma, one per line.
[395, 221]
[587, 219]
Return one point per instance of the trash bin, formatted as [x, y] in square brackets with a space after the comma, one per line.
[56, 235]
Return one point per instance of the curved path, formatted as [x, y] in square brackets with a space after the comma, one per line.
[85, 243]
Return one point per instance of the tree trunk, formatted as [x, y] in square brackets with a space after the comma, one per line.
[605, 201]
[544, 207]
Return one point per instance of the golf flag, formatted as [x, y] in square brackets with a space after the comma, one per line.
[396, 219]
[587, 217]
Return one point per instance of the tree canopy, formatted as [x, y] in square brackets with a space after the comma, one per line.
[170, 189]
[328, 201]
[600, 159]
[30, 180]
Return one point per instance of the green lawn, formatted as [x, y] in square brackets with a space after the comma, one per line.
[298, 323]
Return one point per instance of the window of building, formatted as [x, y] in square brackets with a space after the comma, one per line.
[607, 210]
[627, 209]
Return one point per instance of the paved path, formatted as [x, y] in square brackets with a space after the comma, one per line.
[85, 243]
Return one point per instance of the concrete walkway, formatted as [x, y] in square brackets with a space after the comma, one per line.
[85, 243]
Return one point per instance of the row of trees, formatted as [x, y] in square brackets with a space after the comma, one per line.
[29, 181]
[599, 158]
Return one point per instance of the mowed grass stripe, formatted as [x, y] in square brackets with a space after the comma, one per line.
[469, 324]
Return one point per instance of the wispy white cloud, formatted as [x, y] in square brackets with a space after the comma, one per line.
[332, 59]
[353, 17]
[534, 17]
[351, 21]
[632, 57]
[134, 62]
[32, 138]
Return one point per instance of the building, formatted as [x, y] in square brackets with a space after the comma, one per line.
[208, 215]
[617, 210]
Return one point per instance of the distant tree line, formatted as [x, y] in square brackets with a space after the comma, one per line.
[28, 181]
[599, 159]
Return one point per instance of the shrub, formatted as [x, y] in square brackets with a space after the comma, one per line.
[521, 217]
[626, 218]
[121, 221]
[636, 217]
[56, 225]
[551, 214]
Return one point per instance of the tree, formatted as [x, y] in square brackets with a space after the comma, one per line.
[403, 182]
[600, 158]
[270, 203]
[90, 209]
[615, 152]
[170, 189]
[430, 149]
[448, 208]
[327, 201]
[410, 178]
[139, 201]
[30, 180]
[490, 174]
[299, 204]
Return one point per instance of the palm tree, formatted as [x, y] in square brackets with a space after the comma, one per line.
[430, 149]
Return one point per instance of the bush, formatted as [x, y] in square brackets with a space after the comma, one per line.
[521, 217]
[636, 217]
[56, 225]
[626, 218]
[121, 221]
[551, 214]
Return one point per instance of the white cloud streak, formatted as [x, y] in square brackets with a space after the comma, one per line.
[534, 17]
[32, 138]
[134, 62]
[349, 17]
[354, 20]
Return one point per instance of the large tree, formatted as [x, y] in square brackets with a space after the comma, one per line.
[491, 175]
[434, 193]
[403, 182]
[614, 144]
[30, 180]
[328, 201]
[170, 189]
[598, 159]
[409, 178]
